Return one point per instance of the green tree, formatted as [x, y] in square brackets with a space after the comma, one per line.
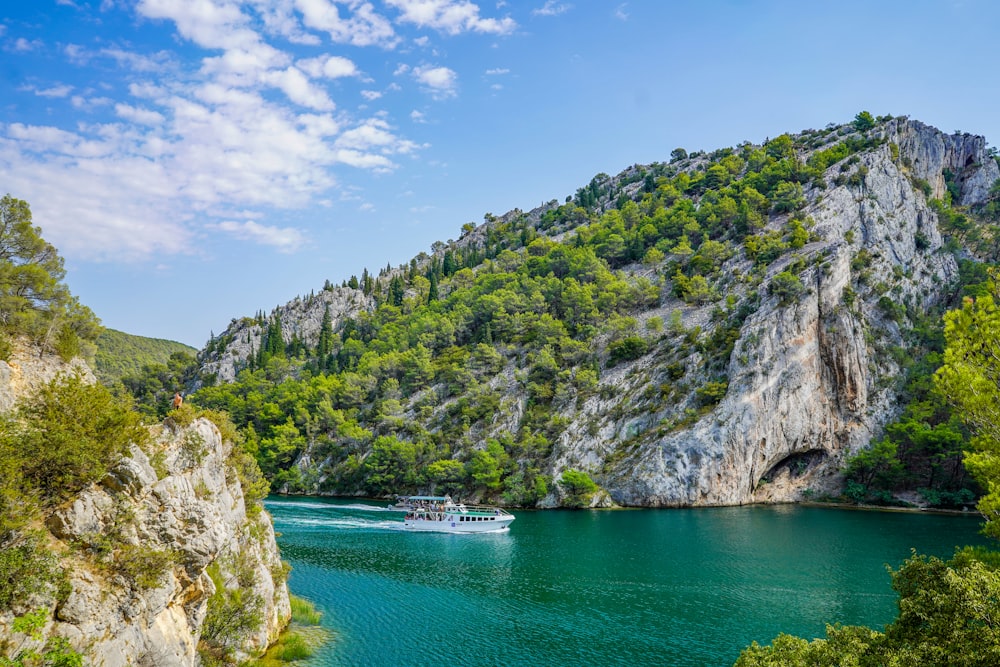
[970, 378]
[33, 299]
[70, 433]
[864, 121]
[579, 488]
[948, 615]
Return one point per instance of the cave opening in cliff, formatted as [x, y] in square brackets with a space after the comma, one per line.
[796, 464]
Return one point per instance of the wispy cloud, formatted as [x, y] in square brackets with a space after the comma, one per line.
[497, 71]
[552, 8]
[284, 239]
[451, 16]
[55, 91]
[620, 12]
[22, 45]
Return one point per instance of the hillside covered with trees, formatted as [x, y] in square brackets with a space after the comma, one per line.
[629, 318]
[119, 354]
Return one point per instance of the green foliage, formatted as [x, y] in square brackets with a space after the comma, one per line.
[579, 488]
[970, 379]
[26, 569]
[948, 615]
[69, 434]
[303, 611]
[120, 354]
[787, 287]
[142, 565]
[34, 302]
[627, 349]
[864, 121]
[711, 393]
[56, 651]
[233, 614]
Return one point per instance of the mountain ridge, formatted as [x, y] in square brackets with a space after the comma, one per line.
[707, 263]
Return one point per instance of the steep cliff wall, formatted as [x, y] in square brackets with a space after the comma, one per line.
[811, 382]
[154, 549]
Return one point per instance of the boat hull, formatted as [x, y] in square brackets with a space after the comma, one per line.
[458, 524]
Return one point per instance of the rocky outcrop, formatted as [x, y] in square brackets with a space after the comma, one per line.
[28, 368]
[147, 549]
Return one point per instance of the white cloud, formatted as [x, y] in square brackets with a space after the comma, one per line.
[552, 8]
[422, 41]
[298, 88]
[620, 12]
[440, 81]
[137, 115]
[285, 239]
[364, 28]
[55, 91]
[213, 24]
[450, 16]
[418, 116]
[190, 142]
[497, 71]
[330, 67]
[22, 45]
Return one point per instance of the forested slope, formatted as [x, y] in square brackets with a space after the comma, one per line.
[119, 354]
[722, 328]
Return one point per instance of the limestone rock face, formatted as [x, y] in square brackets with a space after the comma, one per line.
[29, 368]
[811, 382]
[301, 318]
[186, 503]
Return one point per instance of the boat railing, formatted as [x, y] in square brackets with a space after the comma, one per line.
[461, 508]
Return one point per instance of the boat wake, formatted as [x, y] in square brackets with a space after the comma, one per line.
[337, 523]
[313, 515]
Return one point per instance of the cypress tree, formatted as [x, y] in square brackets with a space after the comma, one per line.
[325, 343]
[432, 293]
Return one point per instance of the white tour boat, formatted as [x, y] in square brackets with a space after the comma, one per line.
[441, 514]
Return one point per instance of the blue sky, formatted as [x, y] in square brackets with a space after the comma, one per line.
[196, 161]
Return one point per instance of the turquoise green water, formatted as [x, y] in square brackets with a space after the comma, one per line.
[632, 587]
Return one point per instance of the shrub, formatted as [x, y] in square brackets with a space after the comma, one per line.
[787, 287]
[143, 565]
[26, 569]
[233, 614]
[71, 434]
[627, 349]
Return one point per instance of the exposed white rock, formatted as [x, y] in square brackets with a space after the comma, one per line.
[813, 387]
[193, 509]
[28, 368]
[301, 317]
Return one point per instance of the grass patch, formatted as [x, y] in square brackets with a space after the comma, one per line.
[304, 612]
[300, 640]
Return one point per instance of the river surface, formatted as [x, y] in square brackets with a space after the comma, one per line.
[628, 587]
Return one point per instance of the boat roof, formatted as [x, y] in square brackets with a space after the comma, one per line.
[438, 498]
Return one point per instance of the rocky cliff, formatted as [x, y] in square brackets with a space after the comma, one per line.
[812, 382]
[815, 370]
[155, 552]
